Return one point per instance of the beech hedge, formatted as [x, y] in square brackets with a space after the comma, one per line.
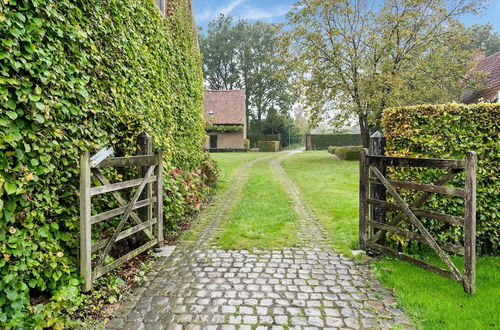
[81, 75]
[268, 146]
[449, 131]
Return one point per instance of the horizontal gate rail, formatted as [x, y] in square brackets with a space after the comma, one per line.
[373, 222]
[148, 196]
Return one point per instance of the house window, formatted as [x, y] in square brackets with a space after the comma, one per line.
[161, 4]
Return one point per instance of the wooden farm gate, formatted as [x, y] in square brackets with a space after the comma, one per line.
[373, 223]
[148, 219]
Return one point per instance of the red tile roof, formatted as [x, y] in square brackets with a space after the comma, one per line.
[491, 66]
[227, 107]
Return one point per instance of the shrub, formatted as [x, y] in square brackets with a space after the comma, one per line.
[449, 131]
[331, 149]
[246, 144]
[348, 152]
[74, 76]
[323, 141]
[269, 146]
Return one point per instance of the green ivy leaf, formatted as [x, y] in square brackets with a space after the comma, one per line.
[12, 115]
[10, 188]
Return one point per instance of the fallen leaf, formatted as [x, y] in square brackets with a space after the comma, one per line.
[29, 177]
[6, 257]
[60, 254]
[12, 230]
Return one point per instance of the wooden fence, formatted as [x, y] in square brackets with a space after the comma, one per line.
[147, 220]
[373, 223]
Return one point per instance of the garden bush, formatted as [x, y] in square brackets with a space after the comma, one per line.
[348, 152]
[331, 149]
[75, 76]
[246, 144]
[269, 146]
[449, 131]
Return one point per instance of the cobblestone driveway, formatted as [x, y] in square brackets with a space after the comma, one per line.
[311, 287]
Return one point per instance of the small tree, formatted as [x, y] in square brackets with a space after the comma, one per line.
[358, 60]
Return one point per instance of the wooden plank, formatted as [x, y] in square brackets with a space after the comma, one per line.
[377, 145]
[453, 220]
[118, 186]
[120, 200]
[470, 224]
[158, 190]
[125, 215]
[100, 156]
[414, 236]
[120, 210]
[124, 234]
[422, 199]
[421, 228]
[423, 187]
[128, 161]
[377, 161]
[363, 197]
[85, 226]
[413, 261]
[145, 148]
[118, 262]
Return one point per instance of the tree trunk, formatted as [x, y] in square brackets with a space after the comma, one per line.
[365, 132]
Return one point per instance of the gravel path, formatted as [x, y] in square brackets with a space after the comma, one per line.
[309, 287]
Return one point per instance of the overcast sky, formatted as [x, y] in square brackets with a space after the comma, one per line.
[273, 11]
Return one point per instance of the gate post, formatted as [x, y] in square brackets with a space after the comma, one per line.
[377, 148]
[363, 196]
[470, 223]
[144, 148]
[85, 217]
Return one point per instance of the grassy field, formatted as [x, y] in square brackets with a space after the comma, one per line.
[230, 161]
[331, 187]
[264, 218]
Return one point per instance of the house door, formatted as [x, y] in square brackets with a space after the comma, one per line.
[213, 141]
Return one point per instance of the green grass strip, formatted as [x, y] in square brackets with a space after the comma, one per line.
[264, 218]
[331, 187]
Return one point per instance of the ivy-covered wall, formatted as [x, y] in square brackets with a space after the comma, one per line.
[80, 75]
[450, 131]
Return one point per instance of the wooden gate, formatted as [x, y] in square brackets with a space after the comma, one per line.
[373, 224]
[148, 221]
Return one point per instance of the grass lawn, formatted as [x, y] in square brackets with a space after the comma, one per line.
[438, 303]
[331, 187]
[230, 161]
[264, 218]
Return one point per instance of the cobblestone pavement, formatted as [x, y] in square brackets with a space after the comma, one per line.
[307, 287]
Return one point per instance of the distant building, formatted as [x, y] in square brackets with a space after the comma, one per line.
[225, 116]
[491, 67]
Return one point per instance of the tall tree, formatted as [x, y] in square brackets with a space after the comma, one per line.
[483, 37]
[244, 55]
[359, 60]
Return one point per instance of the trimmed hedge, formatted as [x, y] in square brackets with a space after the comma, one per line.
[449, 131]
[331, 149]
[74, 76]
[255, 138]
[323, 141]
[269, 146]
[347, 152]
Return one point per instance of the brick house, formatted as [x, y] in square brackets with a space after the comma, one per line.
[490, 65]
[225, 116]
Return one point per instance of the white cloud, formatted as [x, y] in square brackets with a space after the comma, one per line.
[252, 13]
[211, 13]
[240, 10]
